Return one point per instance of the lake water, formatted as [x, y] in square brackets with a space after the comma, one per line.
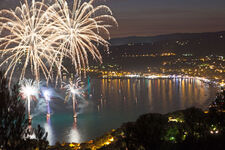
[107, 104]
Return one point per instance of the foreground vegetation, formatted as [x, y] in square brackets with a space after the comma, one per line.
[186, 129]
[15, 133]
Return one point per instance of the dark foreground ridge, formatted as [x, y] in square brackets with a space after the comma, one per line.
[185, 129]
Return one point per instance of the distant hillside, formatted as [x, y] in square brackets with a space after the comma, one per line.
[176, 36]
[195, 43]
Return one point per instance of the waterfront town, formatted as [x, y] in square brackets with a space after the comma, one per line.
[112, 75]
[168, 64]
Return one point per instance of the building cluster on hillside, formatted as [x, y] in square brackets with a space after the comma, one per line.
[212, 67]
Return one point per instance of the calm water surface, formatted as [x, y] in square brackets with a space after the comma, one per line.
[109, 103]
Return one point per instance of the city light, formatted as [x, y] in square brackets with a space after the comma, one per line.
[222, 84]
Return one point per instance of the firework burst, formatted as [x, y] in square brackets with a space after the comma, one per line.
[26, 41]
[29, 90]
[81, 30]
[72, 89]
[41, 36]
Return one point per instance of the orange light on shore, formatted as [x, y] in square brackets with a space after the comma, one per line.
[109, 141]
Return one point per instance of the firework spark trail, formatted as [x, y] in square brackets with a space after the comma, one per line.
[74, 86]
[72, 89]
[80, 29]
[28, 40]
[29, 90]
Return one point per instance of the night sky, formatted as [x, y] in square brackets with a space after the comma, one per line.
[155, 17]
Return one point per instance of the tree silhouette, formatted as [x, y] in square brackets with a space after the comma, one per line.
[12, 114]
[14, 131]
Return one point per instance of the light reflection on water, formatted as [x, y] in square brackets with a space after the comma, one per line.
[109, 103]
[74, 135]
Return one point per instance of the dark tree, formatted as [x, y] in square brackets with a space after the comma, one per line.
[150, 129]
[41, 137]
[14, 131]
[12, 114]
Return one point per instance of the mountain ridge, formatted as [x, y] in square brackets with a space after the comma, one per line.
[173, 36]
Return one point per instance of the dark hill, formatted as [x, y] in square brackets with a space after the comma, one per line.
[195, 43]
